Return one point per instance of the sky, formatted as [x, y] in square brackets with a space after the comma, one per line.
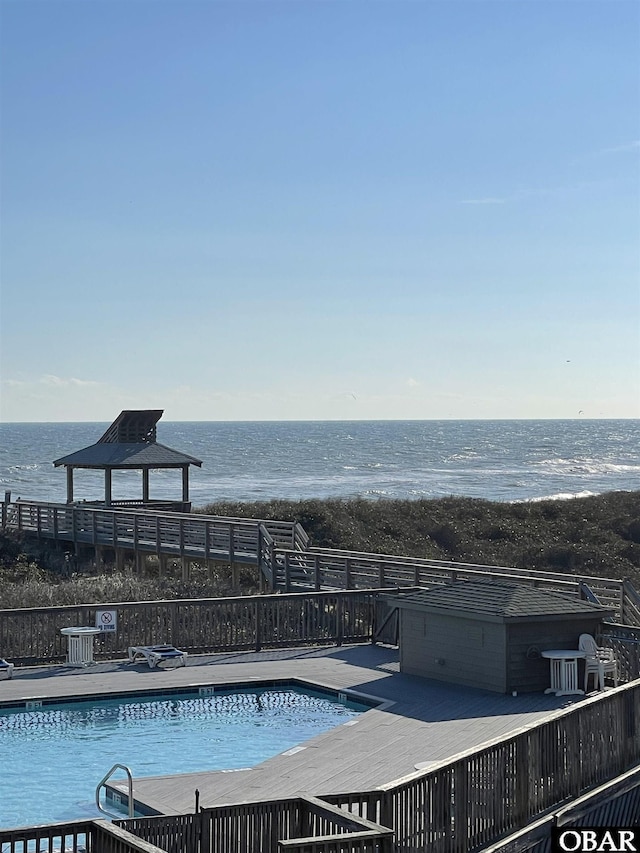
[389, 209]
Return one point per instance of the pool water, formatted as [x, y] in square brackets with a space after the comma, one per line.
[53, 757]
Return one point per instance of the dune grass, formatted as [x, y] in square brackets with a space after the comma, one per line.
[597, 535]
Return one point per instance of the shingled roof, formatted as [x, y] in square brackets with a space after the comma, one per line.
[499, 600]
[130, 442]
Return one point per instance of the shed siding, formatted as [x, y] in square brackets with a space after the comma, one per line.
[461, 651]
[527, 672]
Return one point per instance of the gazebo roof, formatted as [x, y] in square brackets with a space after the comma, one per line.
[130, 442]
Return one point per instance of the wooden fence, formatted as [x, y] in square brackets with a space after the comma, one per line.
[32, 635]
[245, 623]
[614, 804]
[625, 642]
[462, 805]
[298, 825]
[473, 799]
[92, 836]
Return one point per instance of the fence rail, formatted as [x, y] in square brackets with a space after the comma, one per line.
[302, 824]
[322, 568]
[92, 836]
[475, 798]
[32, 635]
[151, 532]
[625, 642]
[283, 552]
[616, 803]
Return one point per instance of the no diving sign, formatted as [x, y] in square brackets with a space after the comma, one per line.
[106, 620]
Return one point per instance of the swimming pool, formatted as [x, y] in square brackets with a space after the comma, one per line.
[55, 755]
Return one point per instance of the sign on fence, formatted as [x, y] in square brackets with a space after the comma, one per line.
[107, 620]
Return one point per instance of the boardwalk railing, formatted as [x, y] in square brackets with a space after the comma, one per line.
[323, 568]
[175, 534]
[462, 805]
[282, 552]
[32, 635]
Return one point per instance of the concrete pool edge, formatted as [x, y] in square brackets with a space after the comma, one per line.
[367, 700]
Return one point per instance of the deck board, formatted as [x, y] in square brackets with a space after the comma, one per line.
[428, 720]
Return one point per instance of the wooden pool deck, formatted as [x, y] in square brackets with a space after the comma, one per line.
[422, 720]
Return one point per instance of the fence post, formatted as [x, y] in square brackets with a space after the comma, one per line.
[340, 619]
[521, 779]
[461, 805]
[385, 816]
[232, 545]
[258, 618]
[205, 830]
[287, 573]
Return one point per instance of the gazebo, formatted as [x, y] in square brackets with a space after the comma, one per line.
[130, 444]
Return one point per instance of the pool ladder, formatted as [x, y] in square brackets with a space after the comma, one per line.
[103, 782]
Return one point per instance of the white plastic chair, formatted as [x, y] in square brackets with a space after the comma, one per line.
[597, 662]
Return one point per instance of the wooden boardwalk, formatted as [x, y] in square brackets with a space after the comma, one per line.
[281, 550]
[427, 721]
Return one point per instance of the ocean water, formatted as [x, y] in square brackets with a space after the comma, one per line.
[247, 461]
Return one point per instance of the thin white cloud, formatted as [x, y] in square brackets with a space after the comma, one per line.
[487, 200]
[524, 193]
[622, 149]
[60, 382]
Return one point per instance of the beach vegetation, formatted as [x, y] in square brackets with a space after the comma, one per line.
[597, 535]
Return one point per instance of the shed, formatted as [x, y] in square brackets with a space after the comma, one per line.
[130, 444]
[490, 634]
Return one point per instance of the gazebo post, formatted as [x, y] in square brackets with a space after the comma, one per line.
[145, 485]
[69, 484]
[185, 483]
[107, 486]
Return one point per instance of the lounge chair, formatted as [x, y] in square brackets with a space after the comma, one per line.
[155, 655]
[4, 664]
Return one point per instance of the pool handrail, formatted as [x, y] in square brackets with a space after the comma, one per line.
[103, 782]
